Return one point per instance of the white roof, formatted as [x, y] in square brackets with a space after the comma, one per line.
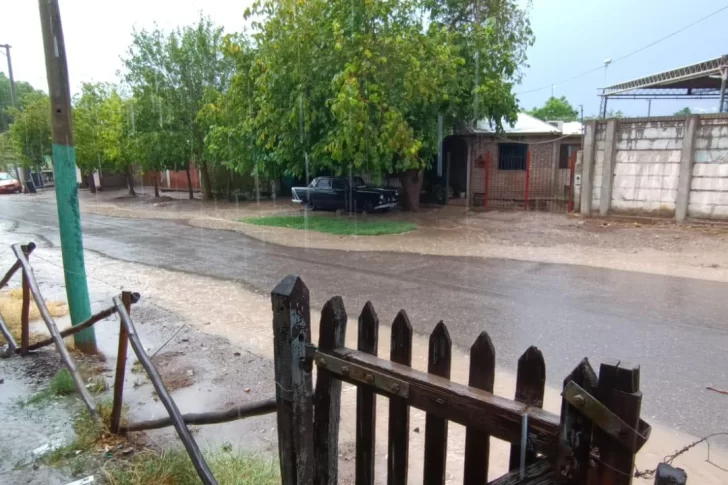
[529, 125]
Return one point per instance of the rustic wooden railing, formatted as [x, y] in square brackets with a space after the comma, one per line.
[593, 441]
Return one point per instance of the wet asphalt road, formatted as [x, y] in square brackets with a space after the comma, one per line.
[674, 327]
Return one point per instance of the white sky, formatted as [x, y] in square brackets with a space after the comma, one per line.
[98, 32]
[571, 36]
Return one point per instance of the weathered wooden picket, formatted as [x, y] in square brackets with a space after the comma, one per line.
[592, 442]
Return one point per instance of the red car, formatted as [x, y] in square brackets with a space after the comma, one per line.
[9, 185]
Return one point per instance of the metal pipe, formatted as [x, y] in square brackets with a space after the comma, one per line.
[203, 470]
[12, 345]
[55, 334]
[721, 106]
[16, 266]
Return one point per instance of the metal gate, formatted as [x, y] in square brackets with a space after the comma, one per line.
[527, 177]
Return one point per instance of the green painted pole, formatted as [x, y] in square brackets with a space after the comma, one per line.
[64, 168]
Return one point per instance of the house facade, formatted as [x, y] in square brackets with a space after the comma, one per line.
[527, 166]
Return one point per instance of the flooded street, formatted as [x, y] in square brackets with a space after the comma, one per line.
[220, 281]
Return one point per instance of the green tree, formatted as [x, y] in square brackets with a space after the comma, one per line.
[174, 73]
[555, 109]
[345, 86]
[22, 89]
[30, 133]
[683, 112]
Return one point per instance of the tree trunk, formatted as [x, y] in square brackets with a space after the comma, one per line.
[189, 180]
[156, 184]
[91, 182]
[205, 182]
[411, 186]
[130, 180]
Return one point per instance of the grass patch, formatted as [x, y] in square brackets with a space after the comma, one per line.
[61, 385]
[343, 225]
[175, 467]
[11, 306]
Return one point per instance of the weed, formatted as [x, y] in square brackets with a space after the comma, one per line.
[97, 385]
[175, 467]
[137, 368]
[62, 384]
[335, 225]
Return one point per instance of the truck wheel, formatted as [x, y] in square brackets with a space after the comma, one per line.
[368, 207]
[310, 206]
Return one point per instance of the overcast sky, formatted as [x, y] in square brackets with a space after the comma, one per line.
[572, 36]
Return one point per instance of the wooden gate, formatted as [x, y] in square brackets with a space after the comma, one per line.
[593, 441]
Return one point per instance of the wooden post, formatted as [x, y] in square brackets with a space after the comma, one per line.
[398, 451]
[618, 390]
[439, 359]
[24, 317]
[530, 385]
[366, 404]
[294, 389]
[477, 443]
[120, 367]
[575, 431]
[669, 475]
[327, 400]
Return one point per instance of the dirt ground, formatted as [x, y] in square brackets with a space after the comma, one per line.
[223, 348]
[695, 249]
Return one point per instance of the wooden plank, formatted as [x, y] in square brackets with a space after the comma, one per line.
[439, 359]
[669, 475]
[477, 442]
[55, 334]
[366, 404]
[540, 472]
[575, 430]
[198, 461]
[120, 368]
[530, 385]
[243, 411]
[398, 449]
[618, 390]
[292, 335]
[327, 399]
[499, 417]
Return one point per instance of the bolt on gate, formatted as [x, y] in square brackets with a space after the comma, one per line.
[593, 441]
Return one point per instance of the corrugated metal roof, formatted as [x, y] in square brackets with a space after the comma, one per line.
[525, 125]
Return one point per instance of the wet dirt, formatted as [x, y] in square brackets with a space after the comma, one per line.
[222, 318]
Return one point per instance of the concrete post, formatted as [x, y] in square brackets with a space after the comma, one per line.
[587, 167]
[605, 199]
[686, 168]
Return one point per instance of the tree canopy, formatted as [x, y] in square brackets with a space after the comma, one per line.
[555, 109]
[30, 133]
[340, 86]
[22, 89]
[683, 112]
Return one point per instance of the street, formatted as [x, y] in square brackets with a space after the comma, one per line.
[673, 327]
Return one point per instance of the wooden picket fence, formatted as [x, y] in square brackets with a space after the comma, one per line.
[593, 441]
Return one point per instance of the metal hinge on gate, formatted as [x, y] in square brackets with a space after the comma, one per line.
[603, 417]
[365, 375]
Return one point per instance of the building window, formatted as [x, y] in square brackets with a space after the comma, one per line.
[512, 156]
[565, 152]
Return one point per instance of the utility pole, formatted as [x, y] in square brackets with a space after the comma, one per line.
[13, 99]
[64, 167]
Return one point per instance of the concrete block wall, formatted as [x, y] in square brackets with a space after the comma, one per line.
[709, 182]
[646, 166]
[665, 166]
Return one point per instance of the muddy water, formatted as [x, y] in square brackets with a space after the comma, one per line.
[225, 309]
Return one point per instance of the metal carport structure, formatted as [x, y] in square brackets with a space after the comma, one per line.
[703, 80]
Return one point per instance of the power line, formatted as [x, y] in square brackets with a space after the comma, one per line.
[629, 54]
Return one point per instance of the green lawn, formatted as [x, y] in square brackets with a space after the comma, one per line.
[348, 225]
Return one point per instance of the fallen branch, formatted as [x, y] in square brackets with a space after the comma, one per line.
[267, 406]
[719, 391]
